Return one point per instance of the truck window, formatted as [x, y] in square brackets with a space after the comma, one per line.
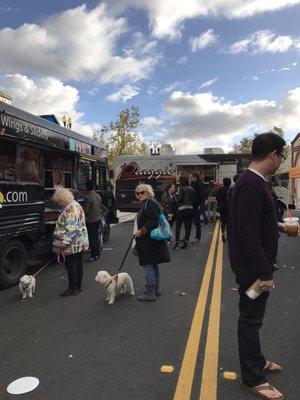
[58, 171]
[29, 167]
[84, 175]
[8, 152]
[101, 179]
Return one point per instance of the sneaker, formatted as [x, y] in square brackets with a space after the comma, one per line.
[93, 258]
[176, 247]
[185, 245]
[69, 292]
[195, 241]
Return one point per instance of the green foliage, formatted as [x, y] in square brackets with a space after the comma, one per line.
[245, 144]
[119, 137]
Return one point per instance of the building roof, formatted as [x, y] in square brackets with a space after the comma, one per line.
[5, 96]
[295, 138]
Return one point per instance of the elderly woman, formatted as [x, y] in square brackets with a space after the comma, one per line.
[70, 238]
[150, 252]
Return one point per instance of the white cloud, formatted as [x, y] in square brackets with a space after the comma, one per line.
[78, 44]
[46, 96]
[166, 17]
[202, 116]
[208, 83]
[125, 93]
[151, 122]
[171, 87]
[264, 41]
[204, 40]
[182, 60]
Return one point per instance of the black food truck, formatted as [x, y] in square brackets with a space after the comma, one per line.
[37, 155]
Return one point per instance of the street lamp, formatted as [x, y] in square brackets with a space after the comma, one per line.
[64, 120]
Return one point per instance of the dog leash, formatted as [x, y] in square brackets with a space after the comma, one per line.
[45, 266]
[122, 263]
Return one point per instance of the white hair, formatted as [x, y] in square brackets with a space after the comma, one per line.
[63, 194]
[147, 188]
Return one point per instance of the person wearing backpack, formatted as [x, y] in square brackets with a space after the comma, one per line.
[150, 252]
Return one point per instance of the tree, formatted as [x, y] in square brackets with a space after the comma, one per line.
[246, 142]
[244, 146]
[122, 140]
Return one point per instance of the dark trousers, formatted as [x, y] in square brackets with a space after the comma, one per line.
[223, 218]
[250, 321]
[94, 237]
[203, 213]
[196, 217]
[73, 264]
[184, 217]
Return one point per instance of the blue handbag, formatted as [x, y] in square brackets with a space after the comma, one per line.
[163, 231]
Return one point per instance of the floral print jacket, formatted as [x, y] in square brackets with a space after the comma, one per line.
[70, 230]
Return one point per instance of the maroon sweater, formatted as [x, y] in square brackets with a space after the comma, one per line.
[252, 230]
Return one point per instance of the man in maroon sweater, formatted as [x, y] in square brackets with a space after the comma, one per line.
[252, 239]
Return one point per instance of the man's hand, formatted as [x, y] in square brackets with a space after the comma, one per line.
[282, 227]
[267, 286]
[137, 233]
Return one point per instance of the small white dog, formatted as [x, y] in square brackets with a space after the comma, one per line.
[27, 286]
[120, 282]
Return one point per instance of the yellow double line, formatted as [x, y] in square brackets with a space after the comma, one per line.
[210, 367]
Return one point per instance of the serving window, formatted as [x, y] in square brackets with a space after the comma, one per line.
[29, 165]
[58, 171]
[8, 158]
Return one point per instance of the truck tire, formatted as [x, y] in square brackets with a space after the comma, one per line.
[13, 263]
[106, 232]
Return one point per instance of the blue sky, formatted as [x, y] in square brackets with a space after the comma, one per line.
[202, 75]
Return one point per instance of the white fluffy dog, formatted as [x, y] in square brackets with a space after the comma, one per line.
[27, 286]
[120, 282]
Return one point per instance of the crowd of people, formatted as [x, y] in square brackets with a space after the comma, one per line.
[251, 221]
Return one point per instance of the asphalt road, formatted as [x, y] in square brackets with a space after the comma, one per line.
[82, 349]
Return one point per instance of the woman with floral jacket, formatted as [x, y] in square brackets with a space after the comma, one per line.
[70, 238]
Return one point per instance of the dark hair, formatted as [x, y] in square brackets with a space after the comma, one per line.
[265, 143]
[226, 182]
[184, 181]
[168, 187]
[196, 175]
[90, 185]
[235, 178]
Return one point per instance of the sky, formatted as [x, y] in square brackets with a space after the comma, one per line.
[202, 73]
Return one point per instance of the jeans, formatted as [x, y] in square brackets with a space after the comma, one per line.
[73, 264]
[152, 274]
[196, 216]
[250, 321]
[184, 217]
[94, 237]
[211, 209]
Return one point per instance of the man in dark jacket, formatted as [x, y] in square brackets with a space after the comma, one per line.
[252, 239]
[199, 206]
[92, 207]
[223, 205]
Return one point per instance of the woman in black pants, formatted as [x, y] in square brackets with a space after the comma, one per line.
[186, 202]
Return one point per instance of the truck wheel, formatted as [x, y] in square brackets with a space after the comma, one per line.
[106, 232]
[13, 263]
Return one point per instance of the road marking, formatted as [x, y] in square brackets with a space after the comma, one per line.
[211, 358]
[186, 375]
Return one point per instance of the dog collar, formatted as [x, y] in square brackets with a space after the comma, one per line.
[114, 278]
